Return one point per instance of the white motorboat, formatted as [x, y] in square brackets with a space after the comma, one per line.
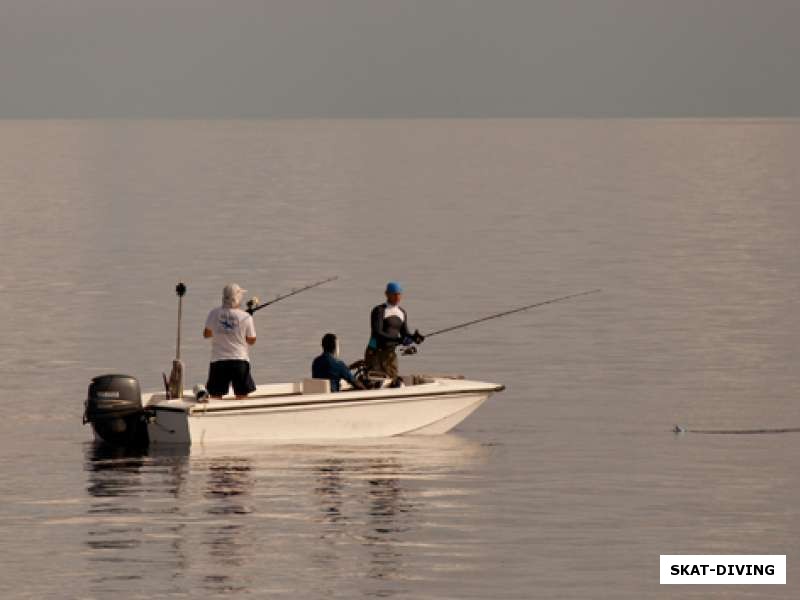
[283, 412]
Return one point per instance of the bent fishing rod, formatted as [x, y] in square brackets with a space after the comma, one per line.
[413, 350]
[253, 305]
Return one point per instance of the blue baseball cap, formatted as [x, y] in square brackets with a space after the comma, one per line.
[394, 288]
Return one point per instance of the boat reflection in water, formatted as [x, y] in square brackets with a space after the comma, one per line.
[130, 533]
[228, 491]
[382, 512]
[270, 519]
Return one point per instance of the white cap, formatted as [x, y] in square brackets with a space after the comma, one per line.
[232, 294]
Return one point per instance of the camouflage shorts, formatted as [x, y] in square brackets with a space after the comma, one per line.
[383, 360]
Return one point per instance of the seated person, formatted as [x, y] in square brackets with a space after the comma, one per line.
[327, 366]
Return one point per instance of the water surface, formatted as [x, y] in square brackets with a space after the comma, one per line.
[567, 485]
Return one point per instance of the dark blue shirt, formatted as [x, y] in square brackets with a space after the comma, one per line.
[327, 366]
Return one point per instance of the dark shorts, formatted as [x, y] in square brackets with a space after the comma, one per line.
[224, 373]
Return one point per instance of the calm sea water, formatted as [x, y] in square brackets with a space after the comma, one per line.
[567, 485]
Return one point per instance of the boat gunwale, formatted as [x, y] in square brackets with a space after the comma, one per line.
[242, 406]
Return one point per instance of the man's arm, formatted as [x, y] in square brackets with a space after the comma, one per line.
[415, 337]
[341, 371]
[250, 331]
[404, 332]
[207, 331]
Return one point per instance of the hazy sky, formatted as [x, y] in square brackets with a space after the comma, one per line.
[396, 58]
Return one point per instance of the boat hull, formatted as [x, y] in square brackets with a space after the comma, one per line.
[419, 410]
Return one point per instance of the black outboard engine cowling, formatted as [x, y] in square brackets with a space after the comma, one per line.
[114, 408]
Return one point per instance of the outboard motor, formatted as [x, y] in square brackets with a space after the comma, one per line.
[114, 408]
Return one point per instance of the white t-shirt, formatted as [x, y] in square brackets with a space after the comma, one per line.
[230, 327]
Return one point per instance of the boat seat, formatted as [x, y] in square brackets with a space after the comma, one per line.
[316, 386]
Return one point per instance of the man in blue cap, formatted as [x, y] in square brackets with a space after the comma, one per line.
[389, 329]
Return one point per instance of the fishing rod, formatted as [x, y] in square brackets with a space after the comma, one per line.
[412, 349]
[253, 305]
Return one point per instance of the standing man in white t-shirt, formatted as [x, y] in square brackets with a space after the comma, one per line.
[231, 331]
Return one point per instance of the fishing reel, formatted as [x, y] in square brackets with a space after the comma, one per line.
[252, 304]
[410, 343]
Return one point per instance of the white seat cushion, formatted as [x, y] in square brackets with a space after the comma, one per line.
[316, 386]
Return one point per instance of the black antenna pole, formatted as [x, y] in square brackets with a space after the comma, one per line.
[175, 383]
[180, 289]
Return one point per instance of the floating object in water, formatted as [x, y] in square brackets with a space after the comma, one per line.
[680, 429]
